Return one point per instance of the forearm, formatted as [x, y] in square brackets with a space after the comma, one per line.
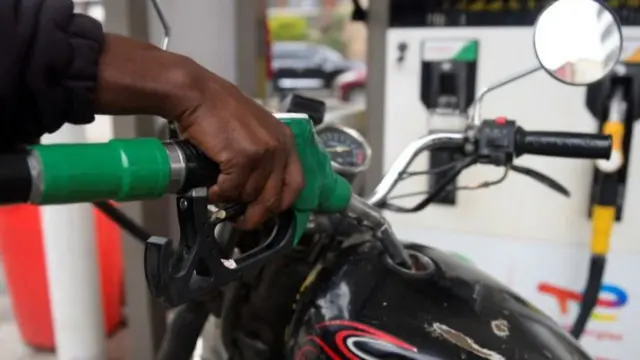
[139, 78]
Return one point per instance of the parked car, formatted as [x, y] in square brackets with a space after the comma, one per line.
[299, 65]
[350, 86]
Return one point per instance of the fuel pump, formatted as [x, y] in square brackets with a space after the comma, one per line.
[612, 103]
[503, 229]
[447, 89]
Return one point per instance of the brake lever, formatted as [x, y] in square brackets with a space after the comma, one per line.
[542, 178]
[196, 267]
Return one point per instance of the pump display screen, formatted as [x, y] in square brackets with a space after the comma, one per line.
[414, 13]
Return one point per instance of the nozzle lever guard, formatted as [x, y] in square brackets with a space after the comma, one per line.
[195, 268]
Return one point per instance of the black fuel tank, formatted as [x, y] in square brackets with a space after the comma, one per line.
[358, 306]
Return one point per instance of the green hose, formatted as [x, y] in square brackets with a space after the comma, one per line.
[122, 170]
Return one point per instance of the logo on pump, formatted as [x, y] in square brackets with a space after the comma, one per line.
[611, 297]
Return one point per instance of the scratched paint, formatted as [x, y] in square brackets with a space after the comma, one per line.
[500, 327]
[463, 341]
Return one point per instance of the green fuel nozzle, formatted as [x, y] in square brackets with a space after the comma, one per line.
[145, 168]
[324, 190]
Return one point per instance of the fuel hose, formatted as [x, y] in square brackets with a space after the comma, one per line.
[119, 170]
[603, 210]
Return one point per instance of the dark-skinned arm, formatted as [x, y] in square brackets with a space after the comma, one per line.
[139, 78]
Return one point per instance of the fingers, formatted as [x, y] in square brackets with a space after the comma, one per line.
[259, 176]
[259, 166]
[236, 181]
[268, 202]
[293, 181]
[229, 186]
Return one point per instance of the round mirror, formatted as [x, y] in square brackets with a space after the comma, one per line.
[577, 41]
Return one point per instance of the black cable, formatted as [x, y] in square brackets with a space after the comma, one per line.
[590, 294]
[436, 170]
[123, 220]
[440, 188]
[541, 178]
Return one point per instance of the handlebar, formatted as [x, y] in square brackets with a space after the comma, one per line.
[402, 163]
[564, 144]
[497, 143]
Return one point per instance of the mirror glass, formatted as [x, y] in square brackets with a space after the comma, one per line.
[577, 41]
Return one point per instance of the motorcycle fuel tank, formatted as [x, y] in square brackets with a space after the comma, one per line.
[358, 306]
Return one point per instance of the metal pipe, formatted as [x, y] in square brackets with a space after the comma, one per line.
[477, 103]
[387, 238]
[166, 28]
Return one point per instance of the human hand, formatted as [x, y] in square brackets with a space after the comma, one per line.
[256, 153]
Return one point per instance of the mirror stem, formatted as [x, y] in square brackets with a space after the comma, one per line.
[478, 101]
[164, 22]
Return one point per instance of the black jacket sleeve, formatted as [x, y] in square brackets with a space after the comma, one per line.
[48, 68]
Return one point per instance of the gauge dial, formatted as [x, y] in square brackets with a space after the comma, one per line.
[347, 148]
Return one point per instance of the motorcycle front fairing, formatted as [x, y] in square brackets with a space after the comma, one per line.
[356, 305]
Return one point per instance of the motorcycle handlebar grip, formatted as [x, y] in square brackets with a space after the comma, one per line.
[564, 144]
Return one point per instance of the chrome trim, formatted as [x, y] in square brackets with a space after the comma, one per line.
[354, 133]
[402, 163]
[477, 103]
[37, 177]
[178, 164]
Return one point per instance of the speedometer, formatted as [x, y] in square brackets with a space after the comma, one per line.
[349, 151]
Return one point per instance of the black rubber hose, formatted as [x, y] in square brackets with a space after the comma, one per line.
[15, 178]
[590, 295]
[182, 335]
[442, 186]
[123, 220]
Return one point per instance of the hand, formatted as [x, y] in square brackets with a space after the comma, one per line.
[258, 160]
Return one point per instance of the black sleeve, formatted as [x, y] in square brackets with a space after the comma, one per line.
[48, 67]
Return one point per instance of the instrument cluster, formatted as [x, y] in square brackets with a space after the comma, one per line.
[349, 151]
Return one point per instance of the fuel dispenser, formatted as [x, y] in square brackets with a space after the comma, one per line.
[614, 104]
[447, 89]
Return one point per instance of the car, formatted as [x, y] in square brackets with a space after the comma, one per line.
[300, 65]
[350, 86]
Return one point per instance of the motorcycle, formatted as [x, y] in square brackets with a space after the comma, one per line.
[349, 290]
[329, 279]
